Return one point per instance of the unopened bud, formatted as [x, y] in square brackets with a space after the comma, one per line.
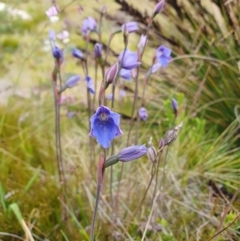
[161, 144]
[174, 104]
[158, 8]
[111, 161]
[152, 154]
[111, 74]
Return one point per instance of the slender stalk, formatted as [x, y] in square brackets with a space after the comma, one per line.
[153, 171]
[99, 186]
[156, 180]
[150, 215]
[91, 144]
[133, 106]
[134, 102]
[95, 83]
[156, 196]
[57, 96]
[101, 170]
[86, 74]
[136, 88]
[108, 47]
[112, 106]
[222, 230]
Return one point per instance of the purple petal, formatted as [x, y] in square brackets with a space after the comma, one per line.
[90, 84]
[130, 27]
[125, 74]
[142, 112]
[155, 67]
[128, 60]
[52, 11]
[51, 35]
[63, 35]
[142, 42]
[72, 81]
[163, 55]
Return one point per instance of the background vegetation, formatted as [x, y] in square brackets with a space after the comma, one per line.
[199, 196]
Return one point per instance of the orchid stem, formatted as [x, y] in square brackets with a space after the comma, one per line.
[99, 186]
[91, 144]
[112, 106]
[58, 146]
[95, 84]
[108, 47]
[135, 101]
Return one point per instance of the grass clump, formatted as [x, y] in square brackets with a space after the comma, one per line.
[197, 190]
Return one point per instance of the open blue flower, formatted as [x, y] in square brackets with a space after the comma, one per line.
[129, 60]
[89, 25]
[163, 55]
[105, 126]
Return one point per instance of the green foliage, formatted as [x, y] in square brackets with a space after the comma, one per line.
[203, 78]
[9, 44]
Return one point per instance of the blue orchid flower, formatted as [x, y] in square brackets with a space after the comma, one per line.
[105, 126]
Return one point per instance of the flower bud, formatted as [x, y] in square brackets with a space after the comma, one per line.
[98, 50]
[77, 54]
[142, 43]
[57, 53]
[174, 104]
[158, 8]
[142, 112]
[161, 144]
[71, 82]
[111, 74]
[131, 153]
[171, 135]
[152, 154]
[111, 161]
